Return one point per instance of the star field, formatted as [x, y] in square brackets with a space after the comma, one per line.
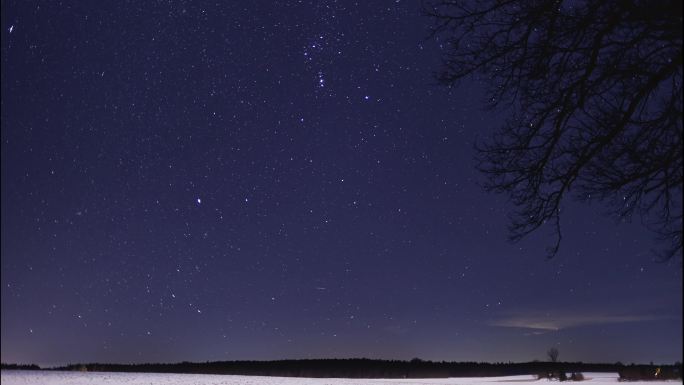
[192, 181]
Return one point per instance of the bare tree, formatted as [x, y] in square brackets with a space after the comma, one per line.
[596, 90]
[553, 354]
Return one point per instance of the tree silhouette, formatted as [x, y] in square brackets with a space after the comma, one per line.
[553, 354]
[596, 90]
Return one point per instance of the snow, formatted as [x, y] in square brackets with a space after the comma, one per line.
[26, 377]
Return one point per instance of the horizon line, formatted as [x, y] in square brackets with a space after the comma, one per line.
[617, 363]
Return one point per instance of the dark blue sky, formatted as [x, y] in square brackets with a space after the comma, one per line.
[262, 180]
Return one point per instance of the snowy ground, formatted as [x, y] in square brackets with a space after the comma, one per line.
[23, 377]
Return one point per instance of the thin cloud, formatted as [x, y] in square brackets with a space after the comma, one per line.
[558, 322]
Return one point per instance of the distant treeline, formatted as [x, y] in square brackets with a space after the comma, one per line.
[368, 368]
[19, 367]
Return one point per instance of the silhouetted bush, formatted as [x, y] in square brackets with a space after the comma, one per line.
[544, 376]
[577, 377]
[558, 375]
[649, 372]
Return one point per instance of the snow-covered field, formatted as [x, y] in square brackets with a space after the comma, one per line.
[23, 377]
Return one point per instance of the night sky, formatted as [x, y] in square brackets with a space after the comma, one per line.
[264, 180]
